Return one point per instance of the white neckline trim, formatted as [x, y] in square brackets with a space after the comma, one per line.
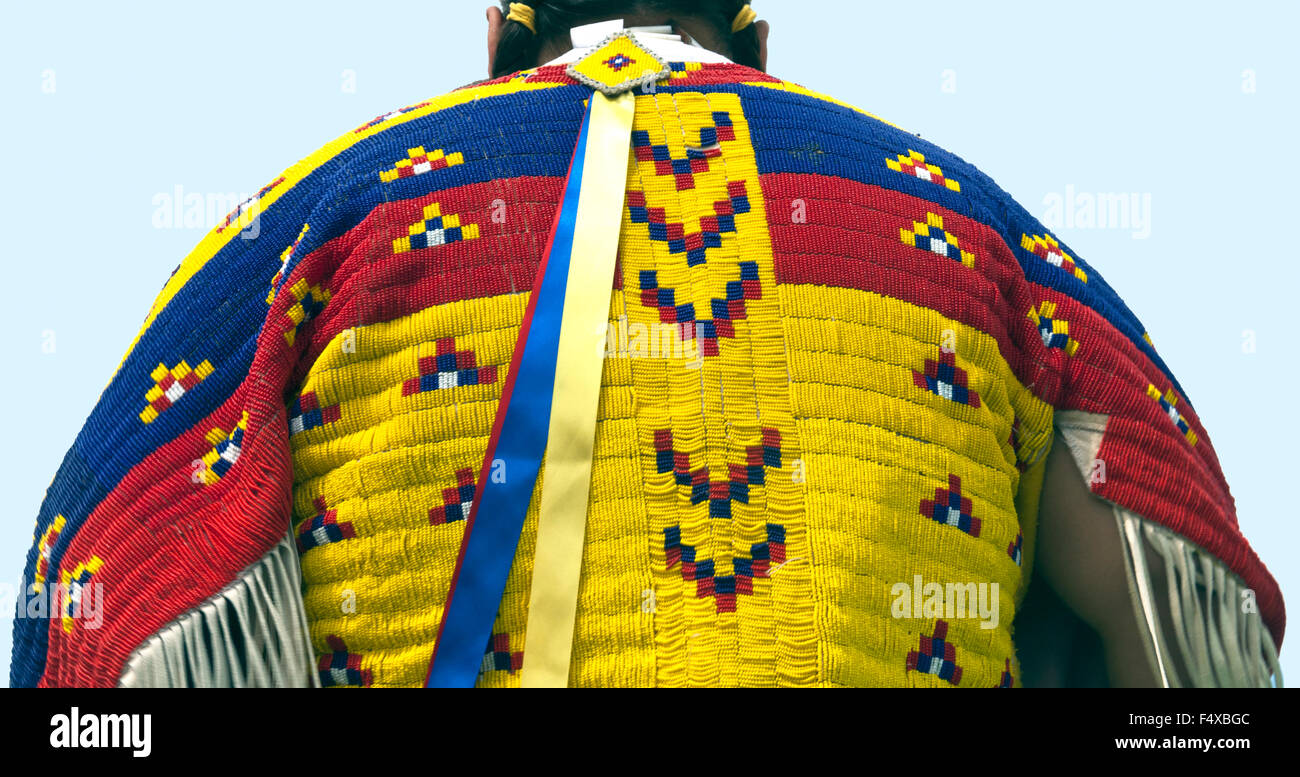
[660, 39]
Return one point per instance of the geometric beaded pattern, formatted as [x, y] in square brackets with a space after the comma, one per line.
[286, 256]
[457, 501]
[696, 159]
[1047, 248]
[913, 163]
[860, 383]
[721, 493]
[226, 448]
[618, 64]
[309, 301]
[936, 656]
[434, 229]
[419, 162]
[1167, 402]
[698, 498]
[731, 527]
[1054, 331]
[170, 385]
[340, 668]
[930, 236]
[323, 528]
[449, 368]
[74, 586]
[499, 657]
[712, 227]
[725, 311]
[44, 550]
[951, 508]
[944, 378]
[725, 588]
[682, 70]
[306, 413]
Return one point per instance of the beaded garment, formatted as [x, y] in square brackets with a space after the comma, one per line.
[836, 359]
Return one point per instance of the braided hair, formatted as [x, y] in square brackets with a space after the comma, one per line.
[520, 46]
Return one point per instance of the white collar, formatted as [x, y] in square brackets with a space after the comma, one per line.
[661, 41]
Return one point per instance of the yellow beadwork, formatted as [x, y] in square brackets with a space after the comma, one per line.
[44, 549]
[1059, 325]
[618, 64]
[873, 444]
[74, 598]
[831, 371]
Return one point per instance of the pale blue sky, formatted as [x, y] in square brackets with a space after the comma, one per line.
[1193, 104]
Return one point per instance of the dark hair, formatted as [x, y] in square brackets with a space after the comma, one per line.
[519, 48]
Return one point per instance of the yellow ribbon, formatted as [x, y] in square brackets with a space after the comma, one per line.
[562, 520]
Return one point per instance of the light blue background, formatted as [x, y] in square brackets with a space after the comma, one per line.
[1104, 96]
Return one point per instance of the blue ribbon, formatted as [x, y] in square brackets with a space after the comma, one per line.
[497, 519]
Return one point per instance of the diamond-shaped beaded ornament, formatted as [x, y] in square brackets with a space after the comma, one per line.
[619, 64]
